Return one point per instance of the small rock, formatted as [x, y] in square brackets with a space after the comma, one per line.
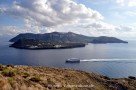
[132, 77]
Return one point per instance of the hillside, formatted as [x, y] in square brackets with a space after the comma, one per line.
[104, 39]
[45, 78]
[54, 37]
[66, 37]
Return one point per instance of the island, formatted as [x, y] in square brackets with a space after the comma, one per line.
[20, 77]
[58, 40]
[38, 44]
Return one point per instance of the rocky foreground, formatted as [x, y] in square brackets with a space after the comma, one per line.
[45, 78]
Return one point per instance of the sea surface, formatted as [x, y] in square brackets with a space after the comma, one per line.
[113, 60]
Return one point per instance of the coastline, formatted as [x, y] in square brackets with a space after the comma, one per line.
[43, 78]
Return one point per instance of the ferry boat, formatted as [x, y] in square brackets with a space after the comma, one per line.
[73, 60]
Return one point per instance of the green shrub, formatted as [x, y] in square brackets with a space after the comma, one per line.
[11, 81]
[25, 75]
[8, 73]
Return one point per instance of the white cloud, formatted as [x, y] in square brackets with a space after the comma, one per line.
[15, 30]
[98, 28]
[132, 3]
[52, 12]
[106, 29]
[129, 3]
[109, 2]
[130, 13]
[9, 30]
[121, 2]
[42, 16]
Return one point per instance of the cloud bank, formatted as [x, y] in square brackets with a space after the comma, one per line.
[42, 16]
[50, 13]
[9, 30]
[129, 3]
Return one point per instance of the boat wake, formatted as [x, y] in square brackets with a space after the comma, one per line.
[109, 60]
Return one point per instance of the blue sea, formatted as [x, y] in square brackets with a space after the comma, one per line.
[113, 60]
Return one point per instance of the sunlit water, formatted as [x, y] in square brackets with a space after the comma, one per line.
[113, 60]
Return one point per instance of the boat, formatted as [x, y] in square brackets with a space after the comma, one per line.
[73, 60]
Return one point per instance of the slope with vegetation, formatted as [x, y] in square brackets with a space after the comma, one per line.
[45, 78]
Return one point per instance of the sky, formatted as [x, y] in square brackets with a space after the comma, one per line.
[115, 18]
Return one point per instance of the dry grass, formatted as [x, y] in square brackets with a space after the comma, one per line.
[43, 78]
